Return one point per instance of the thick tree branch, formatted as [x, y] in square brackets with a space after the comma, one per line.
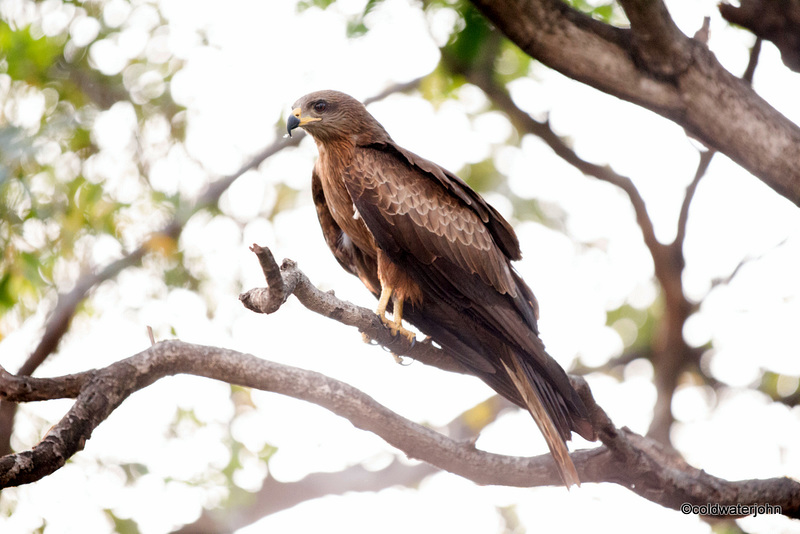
[633, 461]
[625, 458]
[713, 105]
[657, 42]
[774, 20]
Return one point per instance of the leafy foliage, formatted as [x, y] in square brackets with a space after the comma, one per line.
[59, 189]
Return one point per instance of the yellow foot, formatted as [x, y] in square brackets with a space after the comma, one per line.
[396, 325]
[397, 328]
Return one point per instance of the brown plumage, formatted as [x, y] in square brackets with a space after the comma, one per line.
[418, 235]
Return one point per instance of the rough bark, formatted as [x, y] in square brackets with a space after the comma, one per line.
[625, 458]
[636, 462]
[774, 20]
[654, 65]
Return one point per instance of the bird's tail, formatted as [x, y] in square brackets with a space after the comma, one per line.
[553, 437]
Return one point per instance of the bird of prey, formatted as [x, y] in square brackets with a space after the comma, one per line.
[438, 255]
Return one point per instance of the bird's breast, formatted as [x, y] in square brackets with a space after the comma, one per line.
[340, 202]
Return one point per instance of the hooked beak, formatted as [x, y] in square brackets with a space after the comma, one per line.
[296, 119]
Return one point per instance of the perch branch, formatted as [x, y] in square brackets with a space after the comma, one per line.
[625, 458]
[288, 279]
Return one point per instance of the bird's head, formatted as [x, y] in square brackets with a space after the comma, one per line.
[331, 116]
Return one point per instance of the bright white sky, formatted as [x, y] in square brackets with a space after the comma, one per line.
[262, 56]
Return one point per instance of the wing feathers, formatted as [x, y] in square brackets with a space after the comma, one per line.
[501, 231]
[458, 250]
[430, 223]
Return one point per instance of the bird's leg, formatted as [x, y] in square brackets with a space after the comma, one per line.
[383, 301]
[397, 327]
[396, 323]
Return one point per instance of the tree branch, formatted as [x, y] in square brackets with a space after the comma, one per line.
[713, 105]
[625, 458]
[774, 20]
[683, 217]
[658, 43]
[628, 459]
[291, 280]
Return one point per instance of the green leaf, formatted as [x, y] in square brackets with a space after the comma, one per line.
[267, 452]
[356, 28]
[483, 176]
[440, 84]
[603, 12]
[123, 526]
[645, 321]
[307, 4]
[7, 297]
[511, 63]
[133, 471]
[467, 46]
[81, 140]
[30, 267]
[28, 59]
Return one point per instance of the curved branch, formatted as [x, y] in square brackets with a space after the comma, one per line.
[288, 279]
[625, 458]
[636, 462]
[691, 189]
[712, 104]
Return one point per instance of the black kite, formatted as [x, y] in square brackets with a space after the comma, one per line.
[418, 235]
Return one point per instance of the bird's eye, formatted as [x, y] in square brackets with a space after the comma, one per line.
[320, 106]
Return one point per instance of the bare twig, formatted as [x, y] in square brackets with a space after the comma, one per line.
[527, 124]
[294, 281]
[275, 496]
[701, 35]
[755, 52]
[267, 300]
[745, 261]
[683, 217]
